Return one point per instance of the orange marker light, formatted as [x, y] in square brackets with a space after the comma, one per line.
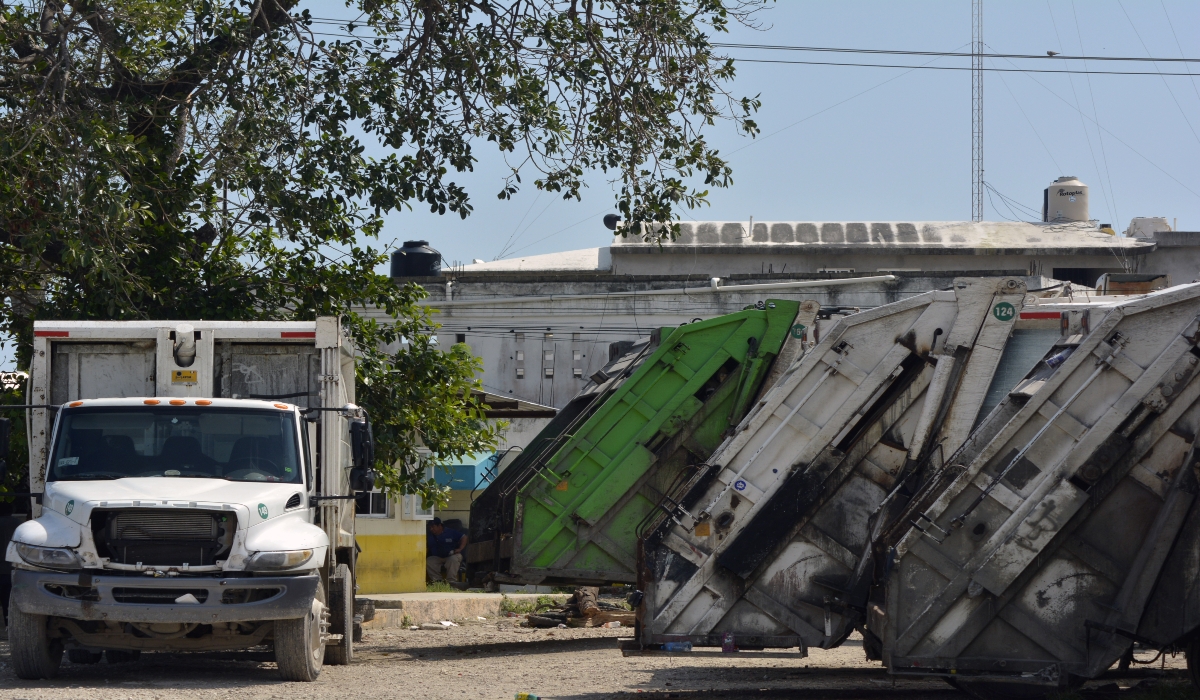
[73, 404]
[284, 406]
[152, 402]
[203, 402]
[177, 402]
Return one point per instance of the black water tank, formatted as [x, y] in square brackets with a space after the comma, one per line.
[416, 259]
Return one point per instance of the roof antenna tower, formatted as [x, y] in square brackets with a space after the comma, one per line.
[976, 110]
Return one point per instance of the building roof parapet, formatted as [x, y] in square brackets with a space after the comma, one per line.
[893, 237]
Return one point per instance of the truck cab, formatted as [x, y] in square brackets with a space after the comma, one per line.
[211, 512]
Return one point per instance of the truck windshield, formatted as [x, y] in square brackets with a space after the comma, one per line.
[210, 443]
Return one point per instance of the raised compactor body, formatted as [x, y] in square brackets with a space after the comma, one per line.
[1064, 529]
[570, 508]
[771, 547]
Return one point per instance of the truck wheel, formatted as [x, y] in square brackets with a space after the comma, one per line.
[341, 616]
[299, 652]
[35, 654]
[84, 656]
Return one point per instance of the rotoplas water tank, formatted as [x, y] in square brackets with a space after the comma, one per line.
[1066, 199]
[416, 259]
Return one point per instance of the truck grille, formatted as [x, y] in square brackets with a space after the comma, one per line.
[164, 525]
[164, 537]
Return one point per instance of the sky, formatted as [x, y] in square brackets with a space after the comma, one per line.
[855, 143]
[881, 144]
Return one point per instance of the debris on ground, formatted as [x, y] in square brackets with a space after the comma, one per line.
[584, 609]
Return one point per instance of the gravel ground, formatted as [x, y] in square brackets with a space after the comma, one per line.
[497, 658]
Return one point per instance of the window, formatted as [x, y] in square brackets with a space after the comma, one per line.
[578, 371]
[577, 355]
[460, 337]
[520, 337]
[411, 507]
[372, 504]
[520, 356]
[549, 371]
[520, 373]
[549, 356]
[184, 442]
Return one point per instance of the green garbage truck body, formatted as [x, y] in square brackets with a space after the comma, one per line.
[593, 477]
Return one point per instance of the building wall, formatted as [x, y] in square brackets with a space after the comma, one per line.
[393, 554]
[575, 332]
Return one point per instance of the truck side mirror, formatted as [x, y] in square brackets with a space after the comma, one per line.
[5, 441]
[362, 448]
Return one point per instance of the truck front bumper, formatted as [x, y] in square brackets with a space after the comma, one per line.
[137, 599]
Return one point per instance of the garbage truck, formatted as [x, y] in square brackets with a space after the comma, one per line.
[767, 548]
[193, 488]
[570, 507]
[1065, 529]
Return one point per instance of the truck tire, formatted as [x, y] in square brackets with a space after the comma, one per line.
[341, 616]
[35, 654]
[299, 652]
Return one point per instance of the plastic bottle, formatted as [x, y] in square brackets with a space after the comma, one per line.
[677, 646]
[526, 696]
[727, 644]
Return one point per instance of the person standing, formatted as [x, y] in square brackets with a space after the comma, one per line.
[445, 547]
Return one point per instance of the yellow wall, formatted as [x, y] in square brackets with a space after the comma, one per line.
[393, 555]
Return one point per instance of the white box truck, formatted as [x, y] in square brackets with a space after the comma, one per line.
[193, 488]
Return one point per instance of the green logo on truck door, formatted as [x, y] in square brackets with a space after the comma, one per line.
[262, 510]
[1004, 311]
[70, 507]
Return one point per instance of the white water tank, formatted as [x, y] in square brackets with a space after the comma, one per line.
[1066, 199]
[1146, 226]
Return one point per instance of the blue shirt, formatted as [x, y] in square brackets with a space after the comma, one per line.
[443, 545]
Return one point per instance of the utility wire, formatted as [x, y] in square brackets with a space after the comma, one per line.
[958, 68]
[1177, 44]
[1087, 135]
[1118, 139]
[835, 104]
[1168, 87]
[888, 52]
[1111, 198]
[1036, 133]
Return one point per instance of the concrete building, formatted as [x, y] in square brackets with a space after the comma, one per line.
[543, 324]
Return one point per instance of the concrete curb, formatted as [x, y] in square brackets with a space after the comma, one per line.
[391, 609]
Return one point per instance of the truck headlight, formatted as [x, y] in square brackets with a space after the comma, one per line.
[48, 557]
[278, 561]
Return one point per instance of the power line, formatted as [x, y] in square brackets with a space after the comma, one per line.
[959, 68]
[890, 52]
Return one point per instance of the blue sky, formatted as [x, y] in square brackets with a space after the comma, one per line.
[838, 145]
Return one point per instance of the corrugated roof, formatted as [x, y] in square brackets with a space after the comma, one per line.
[899, 234]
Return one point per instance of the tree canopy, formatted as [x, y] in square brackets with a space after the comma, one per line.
[208, 158]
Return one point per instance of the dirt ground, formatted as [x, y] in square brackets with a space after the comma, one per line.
[495, 659]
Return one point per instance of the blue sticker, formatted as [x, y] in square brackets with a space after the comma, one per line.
[740, 484]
